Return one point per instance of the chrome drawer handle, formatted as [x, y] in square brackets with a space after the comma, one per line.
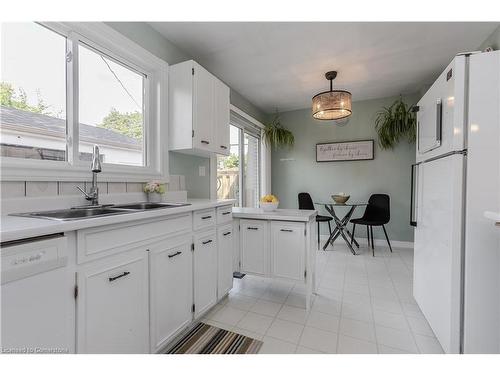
[225, 234]
[206, 217]
[226, 213]
[205, 242]
[286, 230]
[111, 279]
[175, 254]
[252, 228]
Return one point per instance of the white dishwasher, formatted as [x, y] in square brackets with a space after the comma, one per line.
[37, 303]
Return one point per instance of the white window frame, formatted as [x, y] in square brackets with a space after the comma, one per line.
[264, 162]
[108, 41]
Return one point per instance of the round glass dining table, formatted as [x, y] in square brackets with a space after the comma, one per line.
[341, 229]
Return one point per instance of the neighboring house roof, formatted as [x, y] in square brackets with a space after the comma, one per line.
[36, 123]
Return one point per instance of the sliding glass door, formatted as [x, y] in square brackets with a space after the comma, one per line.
[238, 175]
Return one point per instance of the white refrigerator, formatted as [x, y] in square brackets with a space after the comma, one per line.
[456, 179]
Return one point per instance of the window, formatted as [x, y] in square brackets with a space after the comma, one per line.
[68, 86]
[238, 175]
[111, 107]
[33, 92]
[228, 168]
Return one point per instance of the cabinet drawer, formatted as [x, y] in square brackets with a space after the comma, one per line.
[224, 215]
[203, 219]
[94, 243]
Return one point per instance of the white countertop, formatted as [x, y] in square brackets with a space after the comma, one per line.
[15, 227]
[279, 214]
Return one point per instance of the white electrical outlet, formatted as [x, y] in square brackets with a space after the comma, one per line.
[202, 171]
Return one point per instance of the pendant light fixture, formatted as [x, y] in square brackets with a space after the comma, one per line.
[333, 104]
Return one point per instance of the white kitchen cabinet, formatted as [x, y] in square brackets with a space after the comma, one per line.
[171, 288]
[287, 250]
[224, 259]
[221, 105]
[205, 271]
[198, 110]
[112, 305]
[254, 246]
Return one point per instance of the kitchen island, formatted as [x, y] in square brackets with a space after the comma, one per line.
[278, 244]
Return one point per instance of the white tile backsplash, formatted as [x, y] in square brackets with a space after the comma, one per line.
[19, 189]
[117, 187]
[69, 188]
[41, 188]
[12, 189]
[134, 187]
[174, 183]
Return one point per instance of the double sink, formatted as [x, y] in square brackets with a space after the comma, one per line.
[78, 213]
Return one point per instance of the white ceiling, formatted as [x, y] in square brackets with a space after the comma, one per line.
[282, 65]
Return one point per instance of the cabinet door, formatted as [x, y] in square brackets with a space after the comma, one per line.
[203, 109]
[288, 249]
[205, 272]
[112, 304]
[254, 245]
[225, 259]
[171, 288]
[221, 95]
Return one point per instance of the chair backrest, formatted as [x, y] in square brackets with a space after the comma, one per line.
[378, 208]
[305, 202]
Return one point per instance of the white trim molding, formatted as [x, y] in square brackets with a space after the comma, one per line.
[108, 41]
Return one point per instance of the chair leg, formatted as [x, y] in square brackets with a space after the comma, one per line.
[387, 238]
[352, 235]
[318, 234]
[368, 235]
[329, 228]
[371, 235]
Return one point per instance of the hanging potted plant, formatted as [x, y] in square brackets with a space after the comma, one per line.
[394, 123]
[276, 135]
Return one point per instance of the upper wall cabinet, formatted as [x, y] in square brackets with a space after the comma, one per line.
[198, 110]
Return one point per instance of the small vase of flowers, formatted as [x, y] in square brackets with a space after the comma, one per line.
[154, 190]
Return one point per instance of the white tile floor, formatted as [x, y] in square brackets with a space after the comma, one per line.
[364, 304]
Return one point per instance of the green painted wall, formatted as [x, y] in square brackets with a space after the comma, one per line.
[388, 173]
[188, 165]
[492, 41]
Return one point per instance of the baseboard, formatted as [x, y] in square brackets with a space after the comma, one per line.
[378, 242]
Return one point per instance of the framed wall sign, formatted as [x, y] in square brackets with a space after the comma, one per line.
[344, 151]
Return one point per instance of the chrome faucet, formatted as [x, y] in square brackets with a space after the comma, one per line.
[93, 195]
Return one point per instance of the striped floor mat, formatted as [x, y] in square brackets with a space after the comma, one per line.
[206, 339]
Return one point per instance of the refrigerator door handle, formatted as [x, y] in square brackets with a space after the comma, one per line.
[439, 121]
[413, 211]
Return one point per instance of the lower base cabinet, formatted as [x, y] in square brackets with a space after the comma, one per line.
[254, 247]
[287, 250]
[112, 305]
[225, 241]
[171, 288]
[205, 272]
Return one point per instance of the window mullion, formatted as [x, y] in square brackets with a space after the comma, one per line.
[72, 99]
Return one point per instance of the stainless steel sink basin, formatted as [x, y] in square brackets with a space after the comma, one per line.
[149, 206]
[74, 213]
[79, 213]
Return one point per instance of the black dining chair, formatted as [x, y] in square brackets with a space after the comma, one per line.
[377, 214]
[306, 203]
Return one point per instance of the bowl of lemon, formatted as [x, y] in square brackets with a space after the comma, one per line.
[269, 202]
